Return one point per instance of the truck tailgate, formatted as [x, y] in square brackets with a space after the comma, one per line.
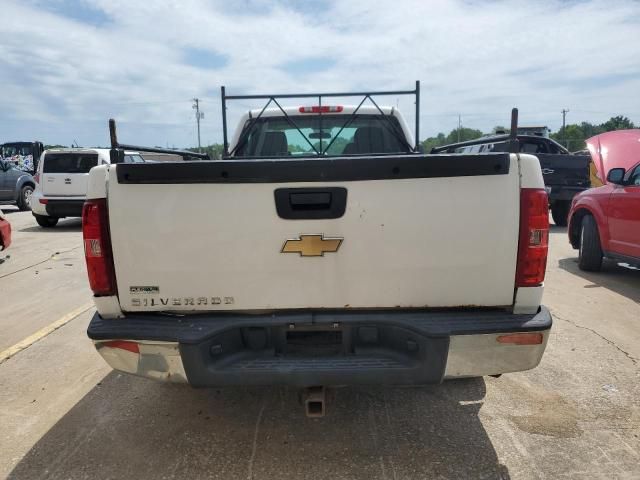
[571, 170]
[207, 235]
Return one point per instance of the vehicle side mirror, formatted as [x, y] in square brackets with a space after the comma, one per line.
[616, 176]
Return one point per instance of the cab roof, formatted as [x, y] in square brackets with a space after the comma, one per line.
[344, 110]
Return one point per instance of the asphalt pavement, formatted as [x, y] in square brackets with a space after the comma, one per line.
[65, 414]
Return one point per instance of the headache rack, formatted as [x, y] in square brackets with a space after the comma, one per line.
[118, 149]
[322, 150]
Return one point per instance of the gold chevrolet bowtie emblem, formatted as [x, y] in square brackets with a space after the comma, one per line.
[311, 245]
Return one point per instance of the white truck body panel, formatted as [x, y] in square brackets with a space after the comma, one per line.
[432, 242]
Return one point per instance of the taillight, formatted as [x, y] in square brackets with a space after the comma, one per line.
[36, 177]
[97, 247]
[323, 109]
[521, 338]
[122, 345]
[534, 237]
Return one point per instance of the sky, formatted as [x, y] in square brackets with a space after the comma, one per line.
[67, 66]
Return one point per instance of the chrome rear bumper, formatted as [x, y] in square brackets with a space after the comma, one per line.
[395, 348]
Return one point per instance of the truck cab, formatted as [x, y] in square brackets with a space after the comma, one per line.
[306, 133]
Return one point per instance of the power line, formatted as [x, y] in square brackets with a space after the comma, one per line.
[199, 115]
[564, 125]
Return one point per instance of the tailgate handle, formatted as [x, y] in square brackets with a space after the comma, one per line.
[310, 203]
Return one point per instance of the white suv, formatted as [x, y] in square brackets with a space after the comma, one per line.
[61, 181]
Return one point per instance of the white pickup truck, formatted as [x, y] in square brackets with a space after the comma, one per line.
[324, 249]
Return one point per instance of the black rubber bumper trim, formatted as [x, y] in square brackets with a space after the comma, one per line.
[280, 170]
[64, 208]
[194, 329]
[403, 348]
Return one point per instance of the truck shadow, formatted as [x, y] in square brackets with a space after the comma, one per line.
[128, 427]
[624, 281]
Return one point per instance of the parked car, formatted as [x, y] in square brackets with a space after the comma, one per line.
[16, 186]
[605, 221]
[62, 181]
[5, 232]
[297, 264]
[564, 173]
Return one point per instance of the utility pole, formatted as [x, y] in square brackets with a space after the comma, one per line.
[459, 126]
[564, 125]
[199, 115]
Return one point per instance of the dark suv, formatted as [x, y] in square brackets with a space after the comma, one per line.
[15, 185]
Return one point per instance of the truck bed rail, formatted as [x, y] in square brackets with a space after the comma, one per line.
[118, 149]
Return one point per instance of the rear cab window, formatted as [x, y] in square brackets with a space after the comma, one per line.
[69, 162]
[331, 135]
[133, 158]
[532, 147]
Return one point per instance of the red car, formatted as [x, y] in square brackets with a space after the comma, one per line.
[605, 221]
[5, 233]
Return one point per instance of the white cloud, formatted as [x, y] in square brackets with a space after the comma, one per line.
[63, 79]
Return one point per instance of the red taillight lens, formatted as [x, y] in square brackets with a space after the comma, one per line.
[323, 109]
[123, 345]
[521, 338]
[36, 177]
[534, 237]
[5, 234]
[97, 247]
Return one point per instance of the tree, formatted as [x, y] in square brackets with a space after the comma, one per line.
[433, 142]
[463, 134]
[589, 129]
[214, 150]
[576, 134]
[617, 123]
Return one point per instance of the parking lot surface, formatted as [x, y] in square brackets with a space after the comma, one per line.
[65, 414]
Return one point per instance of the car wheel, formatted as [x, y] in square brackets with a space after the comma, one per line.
[24, 200]
[560, 212]
[590, 253]
[46, 222]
